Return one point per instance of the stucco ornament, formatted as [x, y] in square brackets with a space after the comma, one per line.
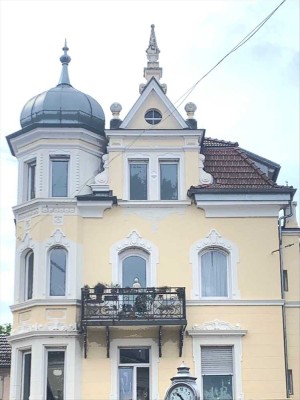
[204, 177]
[102, 178]
[216, 325]
[134, 239]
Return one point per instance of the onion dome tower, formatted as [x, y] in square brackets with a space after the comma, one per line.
[63, 106]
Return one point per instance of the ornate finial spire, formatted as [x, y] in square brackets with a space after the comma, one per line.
[65, 59]
[152, 51]
[153, 69]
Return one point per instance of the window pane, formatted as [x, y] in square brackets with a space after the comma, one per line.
[55, 376]
[29, 276]
[168, 181]
[134, 356]
[134, 267]
[138, 181]
[26, 376]
[217, 387]
[57, 272]
[31, 180]
[125, 383]
[142, 381]
[59, 178]
[214, 274]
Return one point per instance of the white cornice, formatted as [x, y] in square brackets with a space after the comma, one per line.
[243, 208]
[193, 303]
[154, 204]
[30, 139]
[46, 302]
[42, 206]
[292, 304]
[151, 133]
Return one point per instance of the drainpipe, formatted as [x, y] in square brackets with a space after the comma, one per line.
[280, 219]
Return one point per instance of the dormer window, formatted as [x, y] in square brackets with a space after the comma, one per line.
[153, 116]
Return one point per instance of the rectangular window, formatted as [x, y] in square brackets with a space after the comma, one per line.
[285, 281]
[290, 382]
[217, 372]
[138, 180]
[214, 282]
[169, 180]
[55, 375]
[26, 373]
[29, 179]
[134, 373]
[59, 176]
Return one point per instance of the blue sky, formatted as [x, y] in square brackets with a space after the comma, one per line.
[252, 97]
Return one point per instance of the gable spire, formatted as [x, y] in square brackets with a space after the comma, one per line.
[65, 59]
[153, 69]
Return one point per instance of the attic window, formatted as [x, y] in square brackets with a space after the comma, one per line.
[153, 116]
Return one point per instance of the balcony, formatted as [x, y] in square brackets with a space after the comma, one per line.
[132, 307]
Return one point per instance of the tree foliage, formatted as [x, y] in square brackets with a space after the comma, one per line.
[5, 329]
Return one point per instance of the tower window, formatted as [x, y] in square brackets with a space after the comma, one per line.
[59, 176]
[153, 117]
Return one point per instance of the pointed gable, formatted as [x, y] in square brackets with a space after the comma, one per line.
[153, 98]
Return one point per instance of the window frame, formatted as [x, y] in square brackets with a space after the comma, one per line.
[59, 158]
[228, 277]
[168, 161]
[26, 275]
[153, 120]
[153, 361]
[203, 375]
[31, 179]
[215, 240]
[201, 336]
[134, 367]
[137, 252]
[65, 275]
[138, 161]
[25, 353]
[55, 349]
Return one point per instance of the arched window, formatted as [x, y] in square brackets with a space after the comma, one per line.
[58, 263]
[213, 264]
[133, 268]
[28, 281]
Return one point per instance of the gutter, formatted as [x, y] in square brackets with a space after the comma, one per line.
[285, 347]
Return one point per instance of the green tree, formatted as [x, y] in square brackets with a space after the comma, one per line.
[5, 329]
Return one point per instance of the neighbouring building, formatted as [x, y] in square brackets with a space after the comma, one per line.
[144, 244]
[5, 355]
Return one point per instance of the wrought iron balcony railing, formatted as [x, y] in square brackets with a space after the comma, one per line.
[103, 306]
[131, 306]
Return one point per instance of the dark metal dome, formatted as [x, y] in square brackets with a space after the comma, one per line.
[64, 105]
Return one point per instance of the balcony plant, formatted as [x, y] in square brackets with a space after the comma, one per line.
[99, 290]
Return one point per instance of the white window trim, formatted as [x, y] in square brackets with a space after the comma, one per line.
[154, 361]
[212, 241]
[26, 270]
[154, 158]
[219, 333]
[134, 241]
[27, 244]
[59, 239]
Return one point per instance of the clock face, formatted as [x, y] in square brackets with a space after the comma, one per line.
[181, 392]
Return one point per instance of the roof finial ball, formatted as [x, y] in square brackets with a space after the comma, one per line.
[116, 108]
[190, 109]
[65, 58]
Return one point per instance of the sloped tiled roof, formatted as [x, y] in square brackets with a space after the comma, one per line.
[5, 352]
[232, 168]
